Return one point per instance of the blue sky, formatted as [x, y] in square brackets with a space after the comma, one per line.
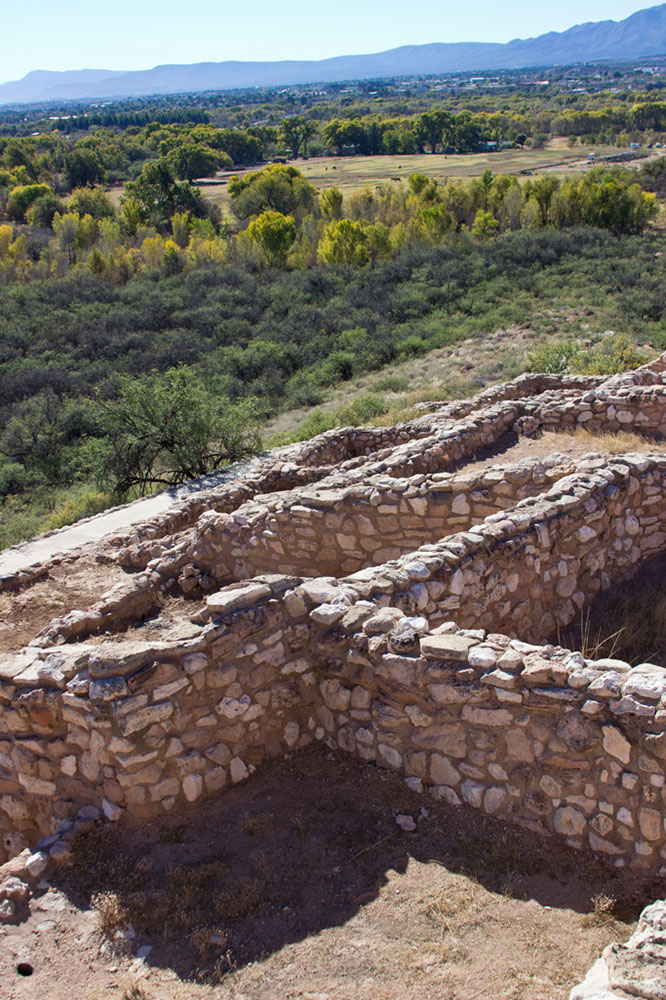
[139, 34]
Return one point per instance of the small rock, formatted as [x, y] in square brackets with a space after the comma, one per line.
[36, 864]
[7, 911]
[111, 810]
[60, 852]
[13, 888]
[405, 823]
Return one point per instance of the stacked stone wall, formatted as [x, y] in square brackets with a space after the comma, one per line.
[535, 734]
[394, 616]
[333, 532]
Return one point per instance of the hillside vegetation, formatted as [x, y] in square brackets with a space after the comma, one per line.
[149, 340]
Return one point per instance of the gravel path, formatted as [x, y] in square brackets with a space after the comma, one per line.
[93, 529]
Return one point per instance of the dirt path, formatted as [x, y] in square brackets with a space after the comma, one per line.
[92, 529]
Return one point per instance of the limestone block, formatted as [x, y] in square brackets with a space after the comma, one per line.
[519, 746]
[164, 789]
[192, 787]
[649, 821]
[226, 601]
[327, 614]
[494, 799]
[472, 793]
[238, 770]
[336, 696]
[450, 740]
[417, 716]
[291, 733]
[650, 685]
[487, 716]
[616, 745]
[569, 821]
[483, 657]
[442, 772]
[447, 647]
[145, 717]
[230, 708]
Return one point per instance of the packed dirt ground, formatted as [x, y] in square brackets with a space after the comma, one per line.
[300, 883]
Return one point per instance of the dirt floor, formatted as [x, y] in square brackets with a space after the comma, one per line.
[299, 883]
[75, 583]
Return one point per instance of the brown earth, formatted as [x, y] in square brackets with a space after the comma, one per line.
[77, 582]
[299, 883]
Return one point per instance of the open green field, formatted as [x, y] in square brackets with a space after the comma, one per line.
[350, 173]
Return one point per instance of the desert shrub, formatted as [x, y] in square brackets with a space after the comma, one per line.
[613, 355]
[553, 358]
[391, 383]
[83, 504]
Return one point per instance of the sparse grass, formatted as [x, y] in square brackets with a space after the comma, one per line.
[391, 383]
[603, 914]
[112, 912]
[638, 606]
[595, 643]
[260, 825]
[238, 900]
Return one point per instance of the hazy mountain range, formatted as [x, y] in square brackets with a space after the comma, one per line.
[640, 35]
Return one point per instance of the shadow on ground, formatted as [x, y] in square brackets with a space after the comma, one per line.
[301, 846]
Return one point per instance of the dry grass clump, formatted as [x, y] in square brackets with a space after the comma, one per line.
[205, 940]
[260, 825]
[112, 912]
[619, 442]
[603, 914]
[638, 606]
[239, 900]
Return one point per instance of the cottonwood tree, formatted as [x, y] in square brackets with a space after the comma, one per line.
[275, 234]
[344, 242]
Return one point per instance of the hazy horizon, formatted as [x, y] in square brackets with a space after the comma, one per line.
[70, 37]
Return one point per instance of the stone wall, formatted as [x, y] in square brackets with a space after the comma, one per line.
[390, 617]
[139, 726]
[531, 733]
[332, 532]
[528, 569]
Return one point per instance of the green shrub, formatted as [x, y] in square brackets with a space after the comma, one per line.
[555, 358]
[612, 356]
[78, 505]
[391, 383]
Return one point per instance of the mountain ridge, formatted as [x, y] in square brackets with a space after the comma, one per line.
[642, 34]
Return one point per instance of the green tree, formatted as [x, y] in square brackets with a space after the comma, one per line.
[43, 210]
[91, 201]
[159, 195]
[164, 429]
[543, 190]
[295, 132]
[344, 242]
[277, 188]
[191, 161]
[330, 203]
[83, 168]
[485, 225]
[431, 125]
[21, 198]
[275, 234]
